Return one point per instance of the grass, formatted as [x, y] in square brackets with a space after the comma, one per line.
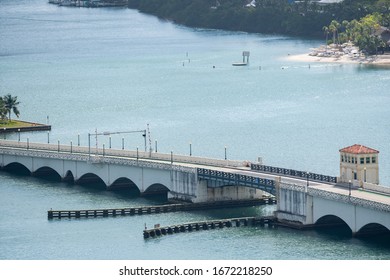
[14, 124]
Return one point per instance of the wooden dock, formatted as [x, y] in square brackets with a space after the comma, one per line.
[155, 209]
[208, 225]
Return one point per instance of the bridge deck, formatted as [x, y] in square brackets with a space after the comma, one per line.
[227, 166]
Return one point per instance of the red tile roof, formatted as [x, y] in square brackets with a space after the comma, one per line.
[358, 149]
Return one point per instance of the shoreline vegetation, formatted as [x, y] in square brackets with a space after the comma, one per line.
[356, 31]
[21, 126]
[360, 28]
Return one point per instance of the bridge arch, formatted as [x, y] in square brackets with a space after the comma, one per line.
[17, 168]
[91, 179]
[48, 173]
[372, 229]
[332, 221]
[156, 189]
[124, 183]
[69, 177]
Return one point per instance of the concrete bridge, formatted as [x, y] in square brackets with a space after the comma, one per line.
[304, 199]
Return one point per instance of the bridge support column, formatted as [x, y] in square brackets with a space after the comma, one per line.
[294, 205]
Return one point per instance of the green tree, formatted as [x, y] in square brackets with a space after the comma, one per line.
[3, 111]
[334, 28]
[11, 105]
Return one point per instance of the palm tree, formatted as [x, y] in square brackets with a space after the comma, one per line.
[326, 31]
[334, 28]
[3, 111]
[10, 104]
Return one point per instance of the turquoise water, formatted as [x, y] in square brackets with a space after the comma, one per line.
[119, 70]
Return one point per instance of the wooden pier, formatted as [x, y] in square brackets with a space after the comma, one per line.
[209, 225]
[155, 209]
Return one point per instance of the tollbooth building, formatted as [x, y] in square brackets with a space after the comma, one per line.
[359, 165]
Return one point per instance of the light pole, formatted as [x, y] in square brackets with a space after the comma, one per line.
[190, 149]
[109, 133]
[307, 180]
[349, 188]
[155, 144]
[225, 153]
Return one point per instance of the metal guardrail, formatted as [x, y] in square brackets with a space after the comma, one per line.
[121, 153]
[228, 178]
[293, 173]
[339, 197]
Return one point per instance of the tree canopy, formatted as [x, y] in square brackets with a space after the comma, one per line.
[300, 18]
[8, 104]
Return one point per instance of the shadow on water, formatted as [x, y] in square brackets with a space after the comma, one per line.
[343, 233]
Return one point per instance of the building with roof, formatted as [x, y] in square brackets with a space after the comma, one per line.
[358, 165]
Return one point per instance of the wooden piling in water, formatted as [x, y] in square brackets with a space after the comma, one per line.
[208, 225]
[155, 209]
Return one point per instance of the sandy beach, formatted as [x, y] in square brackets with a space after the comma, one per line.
[374, 59]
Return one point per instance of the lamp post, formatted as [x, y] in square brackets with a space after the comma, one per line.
[225, 153]
[155, 145]
[349, 188]
[190, 149]
[109, 133]
[307, 180]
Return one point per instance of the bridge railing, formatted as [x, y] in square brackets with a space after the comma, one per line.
[58, 147]
[227, 178]
[293, 173]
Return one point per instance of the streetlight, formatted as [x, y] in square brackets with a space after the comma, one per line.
[109, 133]
[349, 188]
[307, 180]
[155, 144]
[190, 149]
[225, 153]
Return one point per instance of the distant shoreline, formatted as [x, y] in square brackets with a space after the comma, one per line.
[373, 59]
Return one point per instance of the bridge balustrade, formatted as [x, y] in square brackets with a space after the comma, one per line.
[293, 173]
